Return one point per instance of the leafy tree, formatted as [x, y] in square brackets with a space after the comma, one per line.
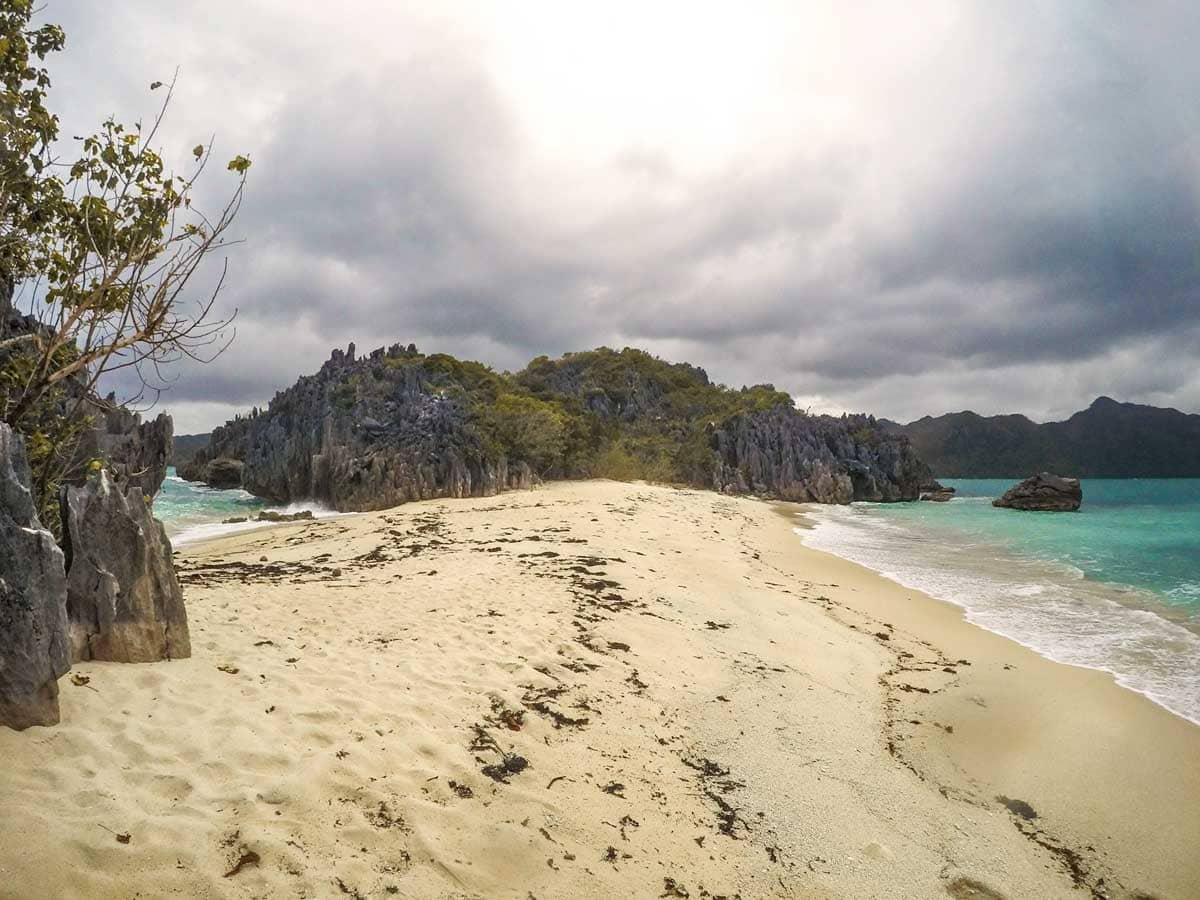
[525, 429]
[102, 248]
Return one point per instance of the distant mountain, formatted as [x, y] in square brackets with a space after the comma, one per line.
[186, 445]
[1106, 440]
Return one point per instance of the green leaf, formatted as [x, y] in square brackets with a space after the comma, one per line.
[239, 164]
[198, 151]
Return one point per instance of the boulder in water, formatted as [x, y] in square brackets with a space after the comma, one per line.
[223, 473]
[124, 603]
[33, 592]
[1043, 492]
[936, 492]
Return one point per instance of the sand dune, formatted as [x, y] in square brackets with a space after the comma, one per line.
[591, 690]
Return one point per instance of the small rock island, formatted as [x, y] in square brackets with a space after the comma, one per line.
[1043, 493]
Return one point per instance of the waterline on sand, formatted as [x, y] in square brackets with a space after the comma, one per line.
[1050, 606]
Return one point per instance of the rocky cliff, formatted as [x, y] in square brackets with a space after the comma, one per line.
[136, 452]
[33, 627]
[784, 454]
[397, 425]
[124, 603]
[368, 434]
[101, 465]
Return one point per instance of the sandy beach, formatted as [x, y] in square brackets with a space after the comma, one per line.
[593, 690]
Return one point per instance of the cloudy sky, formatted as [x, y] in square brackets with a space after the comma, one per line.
[898, 208]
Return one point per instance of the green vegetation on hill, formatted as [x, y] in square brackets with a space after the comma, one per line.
[628, 415]
[396, 425]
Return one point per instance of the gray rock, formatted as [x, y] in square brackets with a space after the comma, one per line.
[362, 434]
[1043, 492]
[938, 493]
[781, 452]
[269, 515]
[938, 496]
[223, 473]
[33, 618]
[124, 603]
[395, 426]
[137, 452]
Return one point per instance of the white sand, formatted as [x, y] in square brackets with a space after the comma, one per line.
[738, 747]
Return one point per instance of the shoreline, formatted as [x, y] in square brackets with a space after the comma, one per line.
[591, 690]
[1126, 613]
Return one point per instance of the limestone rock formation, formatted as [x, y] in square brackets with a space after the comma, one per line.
[1043, 492]
[783, 453]
[362, 434]
[137, 452]
[396, 425]
[223, 473]
[124, 603]
[936, 492]
[33, 621]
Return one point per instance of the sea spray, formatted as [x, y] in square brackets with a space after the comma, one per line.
[192, 512]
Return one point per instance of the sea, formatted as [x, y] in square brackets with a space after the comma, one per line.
[193, 512]
[1114, 586]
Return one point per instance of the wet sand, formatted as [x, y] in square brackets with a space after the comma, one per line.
[589, 690]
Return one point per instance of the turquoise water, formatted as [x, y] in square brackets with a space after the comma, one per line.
[1142, 533]
[191, 510]
[1115, 586]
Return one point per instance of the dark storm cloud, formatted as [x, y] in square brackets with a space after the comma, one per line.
[1007, 219]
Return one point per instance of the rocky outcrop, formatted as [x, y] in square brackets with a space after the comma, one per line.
[936, 492]
[784, 453]
[124, 603]
[1043, 492]
[373, 432]
[33, 622]
[364, 434]
[269, 515]
[223, 473]
[136, 452]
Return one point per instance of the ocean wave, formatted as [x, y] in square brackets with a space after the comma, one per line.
[1049, 606]
[208, 530]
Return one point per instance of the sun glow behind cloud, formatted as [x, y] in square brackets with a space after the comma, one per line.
[898, 208]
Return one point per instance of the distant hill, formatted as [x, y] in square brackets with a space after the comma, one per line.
[396, 424]
[186, 445]
[1106, 440]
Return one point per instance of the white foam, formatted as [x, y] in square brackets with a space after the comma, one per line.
[1051, 608]
[209, 530]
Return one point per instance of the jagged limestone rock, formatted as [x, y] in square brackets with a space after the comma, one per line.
[137, 452]
[394, 425]
[124, 603]
[33, 620]
[322, 439]
[783, 453]
[1043, 493]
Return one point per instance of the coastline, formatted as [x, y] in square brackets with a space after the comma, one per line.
[1049, 606]
[700, 701]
